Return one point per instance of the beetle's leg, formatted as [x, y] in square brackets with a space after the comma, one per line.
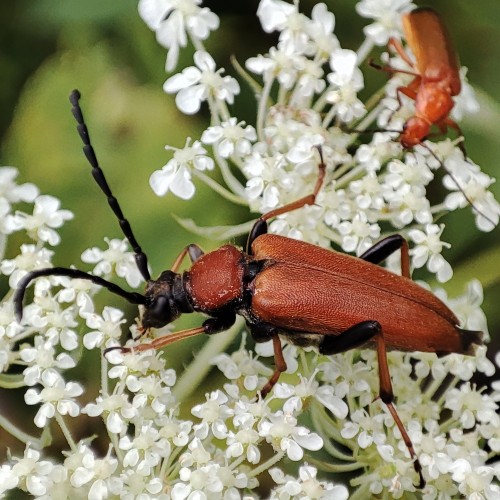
[355, 337]
[399, 49]
[351, 338]
[210, 326]
[160, 342]
[262, 332]
[260, 226]
[409, 91]
[194, 252]
[387, 396]
[449, 123]
[279, 367]
[396, 45]
[219, 323]
[383, 248]
[391, 69]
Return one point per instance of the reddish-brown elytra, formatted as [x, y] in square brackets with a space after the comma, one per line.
[283, 287]
[435, 71]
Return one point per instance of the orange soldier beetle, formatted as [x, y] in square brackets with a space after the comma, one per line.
[435, 71]
[284, 287]
[436, 80]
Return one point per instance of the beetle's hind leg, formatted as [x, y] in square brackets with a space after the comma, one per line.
[356, 336]
[383, 248]
[260, 226]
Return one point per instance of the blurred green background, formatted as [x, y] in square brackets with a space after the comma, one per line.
[103, 48]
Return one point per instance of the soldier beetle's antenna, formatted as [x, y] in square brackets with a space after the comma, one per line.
[457, 184]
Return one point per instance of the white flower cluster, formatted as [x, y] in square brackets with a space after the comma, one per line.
[157, 446]
[307, 97]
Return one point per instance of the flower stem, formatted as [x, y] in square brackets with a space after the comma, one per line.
[237, 200]
[38, 443]
[267, 464]
[201, 364]
[65, 430]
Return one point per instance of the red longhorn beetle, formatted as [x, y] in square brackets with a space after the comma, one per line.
[283, 287]
[435, 71]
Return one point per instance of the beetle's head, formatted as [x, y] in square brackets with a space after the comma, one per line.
[415, 130]
[161, 308]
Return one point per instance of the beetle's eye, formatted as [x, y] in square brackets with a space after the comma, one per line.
[159, 309]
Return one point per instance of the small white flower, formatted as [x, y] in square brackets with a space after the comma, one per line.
[116, 409]
[213, 413]
[324, 394]
[305, 486]
[12, 192]
[8, 479]
[469, 406]
[134, 485]
[33, 472]
[359, 234]
[30, 259]
[106, 328]
[468, 307]
[56, 396]
[244, 442]
[117, 258]
[198, 84]
[346, 80]
[175, 176]
[242, 363]
[145, 450]
[320, 30]
[281, 430]
[280, 63]
[387, 15]
[45, 218]
[466, 102]
[428, 251]
[274, 14]
[476, 482]
[230, 138]
[176, 20]
[42, 358]
[469, 187]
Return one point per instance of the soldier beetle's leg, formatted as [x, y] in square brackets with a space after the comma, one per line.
[399, 49]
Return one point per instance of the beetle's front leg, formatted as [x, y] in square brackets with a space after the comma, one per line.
[210, 326]
[194, 252]
[356, 336]
[220, 323]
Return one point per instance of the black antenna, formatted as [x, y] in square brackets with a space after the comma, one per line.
[442, 165]
[457, 184]
[132, 297]
[140, 257]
